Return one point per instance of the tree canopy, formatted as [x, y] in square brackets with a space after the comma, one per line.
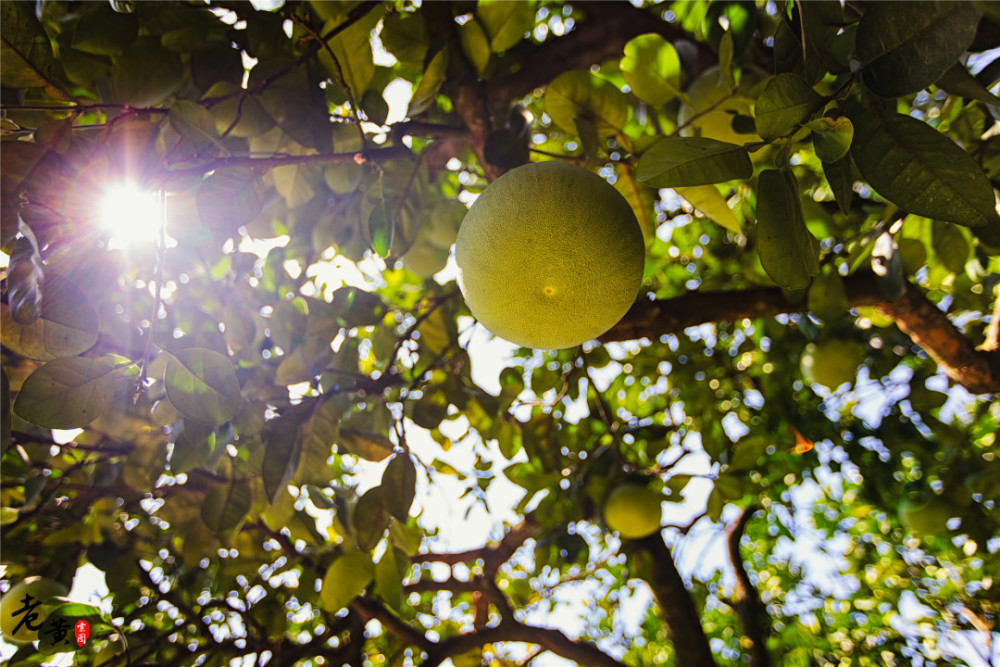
[270, 423]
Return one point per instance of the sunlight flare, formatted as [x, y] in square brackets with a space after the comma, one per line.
[131, 215]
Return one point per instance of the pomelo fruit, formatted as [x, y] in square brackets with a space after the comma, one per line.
[23, 608]
[831, 362]
[633, 510]
[550, 256]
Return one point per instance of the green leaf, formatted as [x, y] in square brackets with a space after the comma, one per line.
[146, 73]
[686, 161]
[367, 445]
[430, 83]
[582, 94]
[787, 101]
[906, 47]
[746, 452]
[104, 32]
[831, 137]
[652, 69]
[708, 200]
[838, 175]
[730, 486]
[950, 246]
[227, 505]
[505, 22]
[282, 450]
[788, 252]
[404, 35]
[371, 518]
[827, 297]
[958, 81]
[191, 447]
[353, 49]
[68, 393]
[345, 579]
[202, 385]
[229, 199]
[25, 51]
[381, 227]
[390, 571]
[475, 44]
[399, 485]
[920, 170]
[317, 437]
[196, 126]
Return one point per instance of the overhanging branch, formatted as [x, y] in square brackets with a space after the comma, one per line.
[916, 316]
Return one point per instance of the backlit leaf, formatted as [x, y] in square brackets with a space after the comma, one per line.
[505, 22]
[146, 73]
[788, 252]
[919, 169]
[371, 518]
[708, 200]
[202, 385]
[475, 44]
[229, 198]
[367, 445]
[25, 50]
[227, 505]
[282, 450]
[430, 83]
[687, 161]
[950, 246]
[399, 485]
[353, 50]
[69, 393]
[787, 101]
[652, 69]
[582, 94]
[906, 47]
[389, 573]
[831, 137]
[345, 579]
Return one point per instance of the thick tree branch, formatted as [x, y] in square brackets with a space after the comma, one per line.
[601, 36]
[580, 652]
[746, 601]
[492, 556]
[916, 316]
[654, 563]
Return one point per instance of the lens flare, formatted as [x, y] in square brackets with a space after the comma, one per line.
[131, 215]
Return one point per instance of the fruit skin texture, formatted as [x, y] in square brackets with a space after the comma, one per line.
[39, 588]
[633, 510]
[832, 362]
[550, 256]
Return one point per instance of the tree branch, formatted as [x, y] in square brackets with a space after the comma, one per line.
[600, 37]
[580, 652]
[654, 563]
[916, 316]
[746, 601]
[492, 557]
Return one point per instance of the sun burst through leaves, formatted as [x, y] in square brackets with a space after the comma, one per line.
[131, 215]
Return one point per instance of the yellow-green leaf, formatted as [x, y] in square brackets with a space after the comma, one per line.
[202, 385]
[68, 393]
[345, 579]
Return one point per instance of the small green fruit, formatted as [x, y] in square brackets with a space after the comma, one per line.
[633, 510]
[831, 362]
